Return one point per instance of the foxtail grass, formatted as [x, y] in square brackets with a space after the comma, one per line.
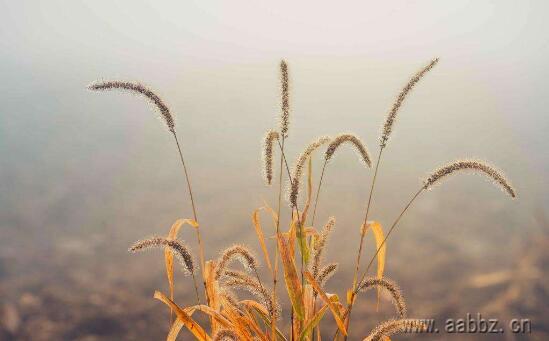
[232, 318]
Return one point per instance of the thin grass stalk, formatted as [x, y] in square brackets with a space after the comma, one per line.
[318, 192]
[362, 234]
[275, 270]
[195, 216]
[299, 222]
[347, 314]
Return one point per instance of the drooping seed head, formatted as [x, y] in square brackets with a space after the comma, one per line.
[140, 89]
[355, 142]
[250, 284]
[297, 173]
[389, 286]
[474, 166]
[391, 327]
[267, 155]
[284, 99]
[239, 253]
[181, 251]
[325, 274]
[226, 335]
[391, 116]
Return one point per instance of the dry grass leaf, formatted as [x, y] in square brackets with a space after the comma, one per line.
[312, 323]
[263, 314]
[331, 305]
[191, 325]
[175, 329]
[379, 236]
[291, 279]
[261, 236]
[212, 290]
[168, 255]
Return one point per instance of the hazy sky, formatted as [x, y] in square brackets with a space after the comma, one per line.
[215, 64]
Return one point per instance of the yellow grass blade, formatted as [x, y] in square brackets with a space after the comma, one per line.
[313, 322]
[264, 315]
[191, 325]
[168, 255]
[291, 279]
[274, 215]
[261, 237]
[379, 236]
[329, 302]
[175, 329]
[214, 314]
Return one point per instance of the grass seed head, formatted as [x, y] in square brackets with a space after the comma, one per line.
[178, 248]
[239, 253]
[284, 98]
[391, 327]
[300, 165]
[474, 166]
[355, 142]
[138, 89]
[388, 285]
[267, 155]
[391, 116]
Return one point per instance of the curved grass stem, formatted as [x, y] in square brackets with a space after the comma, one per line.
[195, 217]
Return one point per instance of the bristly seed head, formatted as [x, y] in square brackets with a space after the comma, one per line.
[142, 90]
[236, 252]
[471, 165]
[390, 120]
[180, 250]
[319, 246]
[226, 335]
[390, 286]
[357, 144]
[325, 274]
[246, 282]
[391, 327]
[267, 155]
[285, 98]
[293, 187]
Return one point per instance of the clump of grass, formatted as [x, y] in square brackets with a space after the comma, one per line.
[305, 284]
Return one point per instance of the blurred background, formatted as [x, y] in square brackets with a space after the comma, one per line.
[84, 175]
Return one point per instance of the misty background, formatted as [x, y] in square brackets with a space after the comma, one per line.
[83, 175]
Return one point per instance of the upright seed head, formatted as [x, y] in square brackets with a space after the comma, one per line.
[391, 116]
[239, 253]
[267, 155]
[470, 165]
[284, 98]
[388, 285]
[355, 142]
[297, 173]
[391, 327]
[141, 90]
[180, 250]
[319, 246]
